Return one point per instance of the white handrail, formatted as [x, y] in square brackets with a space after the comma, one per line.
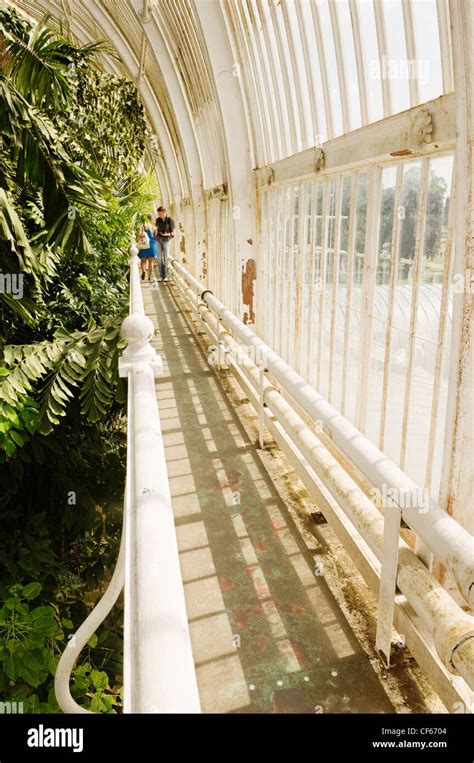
[159, 672]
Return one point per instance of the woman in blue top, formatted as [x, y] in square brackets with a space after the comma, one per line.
[147, 255]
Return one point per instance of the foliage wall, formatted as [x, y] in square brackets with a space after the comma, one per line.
[71, 140]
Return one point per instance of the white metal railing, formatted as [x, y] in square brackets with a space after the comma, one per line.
[432, 610]
[159, 672]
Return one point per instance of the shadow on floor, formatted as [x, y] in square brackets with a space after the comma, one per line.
[267, 634]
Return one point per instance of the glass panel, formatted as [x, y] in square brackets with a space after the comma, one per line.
[273, 52]
[396, 67]
[301, 73]
[316, 71]
[350, 65]
[425, 22]
[291, 100]
[261, 55]
[428, 316]
[370, 50]
[341, 293]
[407, 212]
[331, 64]
[381, 300]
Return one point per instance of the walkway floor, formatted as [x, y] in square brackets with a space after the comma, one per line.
[267, 634]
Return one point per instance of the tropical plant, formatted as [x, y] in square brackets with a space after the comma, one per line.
[70, 193]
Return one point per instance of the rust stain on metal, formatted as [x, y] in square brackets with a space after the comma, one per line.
[249, 275]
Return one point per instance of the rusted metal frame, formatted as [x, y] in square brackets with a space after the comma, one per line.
[290, 36]
[445, 46]
[257, 76]
[289, 84]
[322, 280]
[368, 289]
[271, 94]
[448, 266]
[350, 267]
[335, 278]
[309, 75]
[361, 73]
[382, 46]
[396, 229]
[411, 49]
[281, 107]
[417, 269]
[323, 69]
[341, 74]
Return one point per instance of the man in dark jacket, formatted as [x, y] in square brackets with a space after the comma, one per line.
[164, 236]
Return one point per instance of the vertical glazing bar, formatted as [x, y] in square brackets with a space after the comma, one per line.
[252, 86]
[295, 76]
[417, 268]
[278, 198]
[368, 290]
[256, 69]
[310, 347]
[323, 69]
[411, 49]
[266, 308]
[351, 244]
[282, 247]
[322, 289]
[263, 53]
[335, 280]
[340, 67]
[287, 270]
[444, 307]
[445, 45]
[289, 83]
[364, 112]
[244, 73]
[283, 148]
[396, 229]
[299, 283]
[382, 46]
[309, 75]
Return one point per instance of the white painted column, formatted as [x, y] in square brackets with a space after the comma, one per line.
[457, 485]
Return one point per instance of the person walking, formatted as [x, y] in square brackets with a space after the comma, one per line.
[147, 250]
[164, 235]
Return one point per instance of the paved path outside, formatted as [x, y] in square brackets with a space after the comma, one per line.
[267, 634]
